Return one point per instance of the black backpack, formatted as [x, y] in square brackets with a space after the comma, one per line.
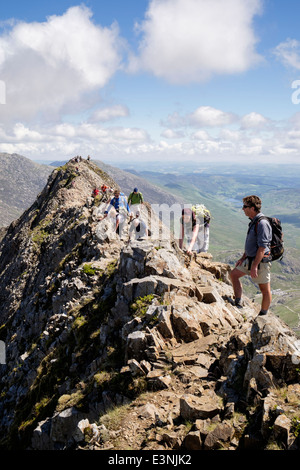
[277, 247]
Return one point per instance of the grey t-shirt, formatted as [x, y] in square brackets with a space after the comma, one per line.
[260, 238]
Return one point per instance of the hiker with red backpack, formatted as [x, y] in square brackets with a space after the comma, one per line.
[258, 254]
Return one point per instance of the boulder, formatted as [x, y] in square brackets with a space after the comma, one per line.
[41, 439]
[193, 407]
[64, 426]
[136, 345]
[281, 430]
[139, 288]
[192, 441]
[135, 368]
[219, 437]
[164, 324]
[185, 325]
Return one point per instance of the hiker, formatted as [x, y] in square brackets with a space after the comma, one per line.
[135, 198]
[95, 196]
[120, 204]
[194, 231]
[106, 192]
[138, 229]
[255, 260]
[104, 188]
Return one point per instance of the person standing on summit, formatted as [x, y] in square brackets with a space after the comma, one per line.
[255, 260]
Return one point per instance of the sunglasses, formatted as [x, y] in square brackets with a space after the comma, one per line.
[245, 207]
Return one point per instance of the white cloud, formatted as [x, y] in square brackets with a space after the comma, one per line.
[253, 120]
[54, 66]
[188, 41]
[66, 140]
[203, 116]
[207, 116]
[201, 135]
[109, 113]
[171, 134]
[289, 53]
[173, 120]
[229, 135]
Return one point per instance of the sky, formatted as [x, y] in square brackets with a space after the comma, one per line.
[151, 80]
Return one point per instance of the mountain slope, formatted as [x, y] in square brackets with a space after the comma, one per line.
[20, 182]
[117, 345]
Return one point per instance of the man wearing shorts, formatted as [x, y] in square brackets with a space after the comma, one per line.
[255, 260]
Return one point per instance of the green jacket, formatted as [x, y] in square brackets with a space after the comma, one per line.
[135, 198]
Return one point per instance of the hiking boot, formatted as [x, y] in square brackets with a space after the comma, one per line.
[262, 313]
[238, 304]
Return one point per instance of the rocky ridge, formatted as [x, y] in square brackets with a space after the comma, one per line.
[117, 345]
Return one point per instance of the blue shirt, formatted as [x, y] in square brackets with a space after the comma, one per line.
[119, 203]
[258, 237]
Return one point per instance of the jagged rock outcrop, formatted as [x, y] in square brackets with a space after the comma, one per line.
[118, 345]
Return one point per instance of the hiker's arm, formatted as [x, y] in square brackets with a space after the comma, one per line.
[130, 232]
[103, 216]
[259, 256]
[264, 237]
[127, 206]
[241, 260]
[108, 207]
[181, 236]
[194, 237]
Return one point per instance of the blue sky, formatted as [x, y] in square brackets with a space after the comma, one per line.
[163, 80]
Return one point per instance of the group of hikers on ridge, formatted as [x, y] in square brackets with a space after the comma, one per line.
[194, 222]
[124, 207]
[194, 238]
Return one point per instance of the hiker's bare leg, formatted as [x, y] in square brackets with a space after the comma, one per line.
[266, 296]
[235, 276]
